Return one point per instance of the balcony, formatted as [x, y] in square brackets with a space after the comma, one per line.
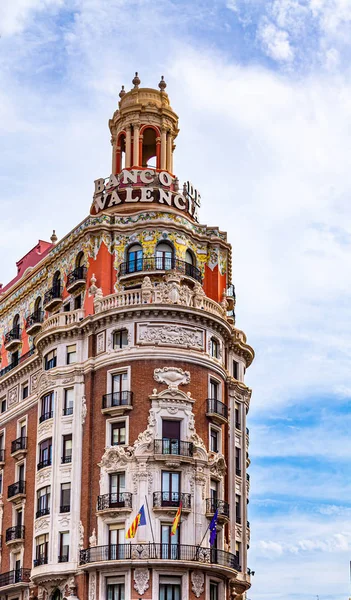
[52, 297]
[66, 459]
[217, 410]
[46, 416]
[213, 504]
[19, 447]
[65, 508]
[41, 560]
[195, 555]
[2, 457]
[68, 410]
[115, 502]
[16, 491]
[14, 534]
[17, 362]
[34, 322]
[76, 279]
[42, 512]
[13, 339]
[173, 450]
[117, 403]
[44, 463]
[156, 264]
[171, 500]
[13, 577]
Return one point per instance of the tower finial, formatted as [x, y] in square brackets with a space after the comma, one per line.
[136, 81]
[122, 92]
[53, 238]
[162, 85]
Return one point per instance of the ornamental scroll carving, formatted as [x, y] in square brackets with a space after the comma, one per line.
[197, 582]
[171, 335]
[92, 585]
[141, 580]
[13, 396]
[172, 376]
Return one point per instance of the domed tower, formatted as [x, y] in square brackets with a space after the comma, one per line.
[123, 439]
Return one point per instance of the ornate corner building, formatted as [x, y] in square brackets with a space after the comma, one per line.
[121, 386]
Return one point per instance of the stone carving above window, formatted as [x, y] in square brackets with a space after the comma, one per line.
[141, 580]
[170, 335]
[172, 376]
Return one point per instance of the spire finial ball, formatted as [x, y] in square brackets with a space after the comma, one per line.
[54, 237]
[162, 85]
[122, 92]
[136, 80]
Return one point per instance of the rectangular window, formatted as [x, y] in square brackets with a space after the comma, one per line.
[238, 461]
[238, 551]
[19, 517]
[214, 440]
[120, 388]
[45, 453]
[65, 501]
[115, 591]
[67, 307]
[170, 588]
[214, 590]
[214, 491]
[214, 348]
[25, 390]
[71, 354]
[214, 389]
[235, 369]
[47, 407]
[120, 338]
[78, 302]
[170, 488]
[50, 360]
[117, 542]
[238, 508]
[41, 550]
[237, 416]
[22, 429]
[3, 404]
[68, 402]
[43, 502]
[117, 485]
[64, 547]
[1, 478]
[67, 448]
[118, 433]
[20, 472]
[169, 543]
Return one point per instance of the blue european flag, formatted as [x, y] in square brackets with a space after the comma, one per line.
[213, 528]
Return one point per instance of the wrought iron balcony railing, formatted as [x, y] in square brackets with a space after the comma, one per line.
[17, 361]
[66, 459]
[114, 500]
[16, 488]
[54, 293]
[64, 508]
[46, 416]
[78, 274]
[130, 552]
[16, 576]
[171, 499]
[216, 407]
[35, 318]
[15, 533]
[174, 447]
[40, 560]
[115, 399]
[44, 463]
[13, 334]
[19, 444]
[68, 410]
[41, 512]
[159, 264]
[213, 504]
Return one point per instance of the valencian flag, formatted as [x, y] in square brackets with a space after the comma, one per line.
[213, 528]
[139, 520]
[176, 520]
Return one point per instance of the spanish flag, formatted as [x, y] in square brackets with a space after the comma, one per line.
[139, 520]
[176, 520]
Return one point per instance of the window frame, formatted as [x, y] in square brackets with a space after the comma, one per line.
[69, 354]
[47, 361]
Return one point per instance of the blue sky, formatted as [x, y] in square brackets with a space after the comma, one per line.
[263, 92]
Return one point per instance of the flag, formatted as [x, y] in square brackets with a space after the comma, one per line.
[176, 520]
[213, 528]
[139, 520]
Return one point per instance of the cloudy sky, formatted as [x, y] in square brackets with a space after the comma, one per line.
[263, 90]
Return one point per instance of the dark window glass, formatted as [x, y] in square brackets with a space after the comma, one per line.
[120, 338]
[214, 348]
[118, 433]
[65, 503]
[235, 369]
[67, 448]
[50, 360]
[214, 591]
[214, 436]
[115, 591]
[25, 392]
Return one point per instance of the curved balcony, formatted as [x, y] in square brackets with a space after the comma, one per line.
[217, 410]
[44, 463]
[16, 576]
[16, 491]
[34, 322]
[13, 339]
[173, 450]
[52, 297]
[117, 403]
[14, 534]
[171, 500]
[19, 447]
[213, 504]
[156, 264]
[42, 512]
[41, 560]
[76, 279]
[17, 362]
[211, 558]
[115, 502]
[46, 416]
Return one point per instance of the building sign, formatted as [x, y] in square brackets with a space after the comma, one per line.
[145, 185]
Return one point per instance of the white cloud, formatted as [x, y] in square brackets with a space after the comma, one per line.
[14, 14]
[276, 42]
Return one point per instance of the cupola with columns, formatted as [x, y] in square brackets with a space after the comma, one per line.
[143, 129]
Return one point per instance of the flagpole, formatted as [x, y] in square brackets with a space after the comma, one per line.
[148, 512]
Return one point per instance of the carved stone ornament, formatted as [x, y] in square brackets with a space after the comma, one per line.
[43, 476]
[218, 466]
[92, 539]
[115, 457]
[100, 342]
[141, 580]
[34, 381]
[41, 524]
[13, 396]
[92, 585]
[84, 409]
[172, 376]
[197, 582]
[81, 535]
[171, 335]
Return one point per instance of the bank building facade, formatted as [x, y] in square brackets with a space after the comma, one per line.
[123, 439]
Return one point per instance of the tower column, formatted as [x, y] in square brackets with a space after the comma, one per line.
[136, 145]
[169, 151]
[158, 153]
[163, 148]
[128, 146]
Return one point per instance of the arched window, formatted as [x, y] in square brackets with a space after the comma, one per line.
[214, 347]
[121, 152]
[56, 283]
[80, 260]
[16, 325]
[134, 259]
[149, 148]
[164, 256]
[38, 305]
[189, 263]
